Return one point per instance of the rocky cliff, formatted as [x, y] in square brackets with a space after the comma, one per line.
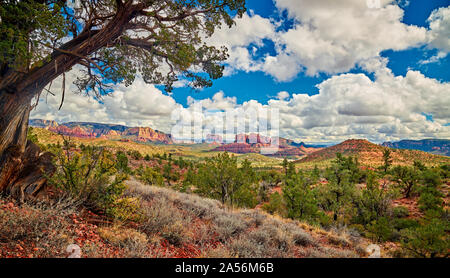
[107, 131]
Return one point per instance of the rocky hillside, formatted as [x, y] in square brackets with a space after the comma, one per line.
[106, 131]
[371, 154]
[435, 146]
[253, 143]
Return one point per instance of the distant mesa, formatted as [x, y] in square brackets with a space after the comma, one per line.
[435, 146]
[43, 123]
[213, 138]
[254, 143]
[105, 131]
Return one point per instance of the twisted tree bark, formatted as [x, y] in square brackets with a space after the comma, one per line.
[24, 168]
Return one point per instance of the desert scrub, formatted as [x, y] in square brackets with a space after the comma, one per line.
[133, 242]
[302, 238]
[92, 176]
[254, 217]
[271, 239]
[44, 228]
[228, 225]
[161, 217]
[150, 176]
[219, 252]
[176, 233]
[326, 252]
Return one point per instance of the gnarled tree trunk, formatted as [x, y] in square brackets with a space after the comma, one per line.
[24, 168]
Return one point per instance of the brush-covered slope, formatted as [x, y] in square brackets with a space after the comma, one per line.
[372, 154]
[173, 224]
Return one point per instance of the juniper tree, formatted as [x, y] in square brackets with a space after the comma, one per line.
[109, 42]
[387, 160]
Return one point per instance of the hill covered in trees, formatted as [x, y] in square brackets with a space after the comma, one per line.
[370, 154]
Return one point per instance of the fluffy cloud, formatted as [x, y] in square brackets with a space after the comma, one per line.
[354, 106]
[439, 34]
[347, 106]
[439, 21]
[137, 105]
[249, 30]
[328, 36]
[334, 36]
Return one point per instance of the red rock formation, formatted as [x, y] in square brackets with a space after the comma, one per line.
[146, 134]
[75, 132]
[106, 131]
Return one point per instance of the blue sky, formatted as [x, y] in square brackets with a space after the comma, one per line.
[262, 87]
[372, 69]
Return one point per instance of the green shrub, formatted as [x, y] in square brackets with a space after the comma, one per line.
[380, 230]
[428, 240]
[400, 212]
[122, 162]
[221, 178]
[136, 155]
[91, 177]
[150, 176]
[275, 204]
[404, 223]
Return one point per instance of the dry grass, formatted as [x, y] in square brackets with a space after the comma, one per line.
[42, 229]
[174, 225]
[237, 233]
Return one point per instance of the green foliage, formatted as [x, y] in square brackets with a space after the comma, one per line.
[24, 24]
[344, 169]
[387, 160]
[400, 212]
[445, 171]
[337, 195]
[405, 223]
[90, 177]
[372, 202]
[406, 178]
[81, 173]
[381, 229]
[221, 178]
[169, 172]
[31, 136]
[181, 163]
[430, 196]
[136, 155]
[275, 205]
[315, 174]
[300, 200]
[428, 240]
[122, 162]
[34, 32]
[150, 176]
[285, 166]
